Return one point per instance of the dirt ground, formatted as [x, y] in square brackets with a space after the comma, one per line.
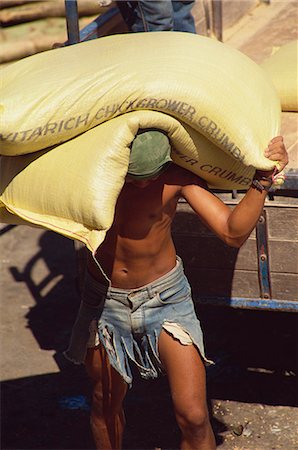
[252, 389]
[45, 401]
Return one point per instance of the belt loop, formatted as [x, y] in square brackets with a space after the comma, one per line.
[151, 291]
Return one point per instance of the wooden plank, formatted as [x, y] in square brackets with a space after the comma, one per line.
[283, 224]
[198, 13]
[196, 243]
[284, 286]
[44, 34]
[39, 10]
[234, 10]
[11, 51]
[10, 3]
[245, 284]
[207, 20]
[283, 256]
[212, 253]
[227, 283]
[207, 252]
[186, 222]
[223, 283]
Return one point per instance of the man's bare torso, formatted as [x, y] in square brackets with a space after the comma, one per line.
[139, 248]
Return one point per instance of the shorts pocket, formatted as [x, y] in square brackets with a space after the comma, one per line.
[174, 295]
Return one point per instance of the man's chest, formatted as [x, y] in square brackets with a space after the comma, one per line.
[145, 206]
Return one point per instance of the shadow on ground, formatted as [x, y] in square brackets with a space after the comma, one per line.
[254, 351]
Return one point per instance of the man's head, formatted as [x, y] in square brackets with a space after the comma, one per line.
[149, 156]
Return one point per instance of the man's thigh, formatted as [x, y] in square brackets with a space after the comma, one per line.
[107, 382]
[186, 372]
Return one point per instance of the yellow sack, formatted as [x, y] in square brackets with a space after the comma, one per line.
[72, 188]
[282, 67]
[51, 97]
[212, 98]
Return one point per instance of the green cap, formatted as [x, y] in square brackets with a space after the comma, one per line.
[150, 154]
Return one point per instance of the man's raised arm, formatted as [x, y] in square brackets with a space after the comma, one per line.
[234, 226]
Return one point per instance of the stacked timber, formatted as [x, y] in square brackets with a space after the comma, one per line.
[29, 27]
[32, 26]
[26, 11]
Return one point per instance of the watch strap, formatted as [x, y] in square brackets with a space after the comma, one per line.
[256, 183]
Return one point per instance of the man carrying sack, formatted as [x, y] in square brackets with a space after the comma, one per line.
[136, 301]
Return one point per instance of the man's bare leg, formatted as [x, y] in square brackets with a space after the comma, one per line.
[187, 378]
[109, 389]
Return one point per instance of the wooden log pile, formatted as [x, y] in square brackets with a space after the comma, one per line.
[9, 3]
[26, 11]
[29, 27]
[32, 26]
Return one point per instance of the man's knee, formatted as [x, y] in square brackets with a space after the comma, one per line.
[193, 420]
[108, 401]
[98, 407]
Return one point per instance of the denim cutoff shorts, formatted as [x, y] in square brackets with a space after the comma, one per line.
[129, 322]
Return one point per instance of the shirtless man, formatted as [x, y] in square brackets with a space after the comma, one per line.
[148, 317]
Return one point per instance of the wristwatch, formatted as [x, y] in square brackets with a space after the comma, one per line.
[257, 183]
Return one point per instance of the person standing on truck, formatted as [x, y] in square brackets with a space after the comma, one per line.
[158, 15]
[136, 303]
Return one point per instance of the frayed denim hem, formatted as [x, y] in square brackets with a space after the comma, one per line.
[143, 352]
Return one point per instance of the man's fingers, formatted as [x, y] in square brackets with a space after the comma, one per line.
[276, 151]
[274, 148]
[276, 139]
[277, 155]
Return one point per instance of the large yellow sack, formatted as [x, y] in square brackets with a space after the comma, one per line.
[282, 67]
[54, 96]
[209, 91]
[72, 188]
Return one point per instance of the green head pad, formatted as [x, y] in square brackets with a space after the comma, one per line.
[150, 154]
